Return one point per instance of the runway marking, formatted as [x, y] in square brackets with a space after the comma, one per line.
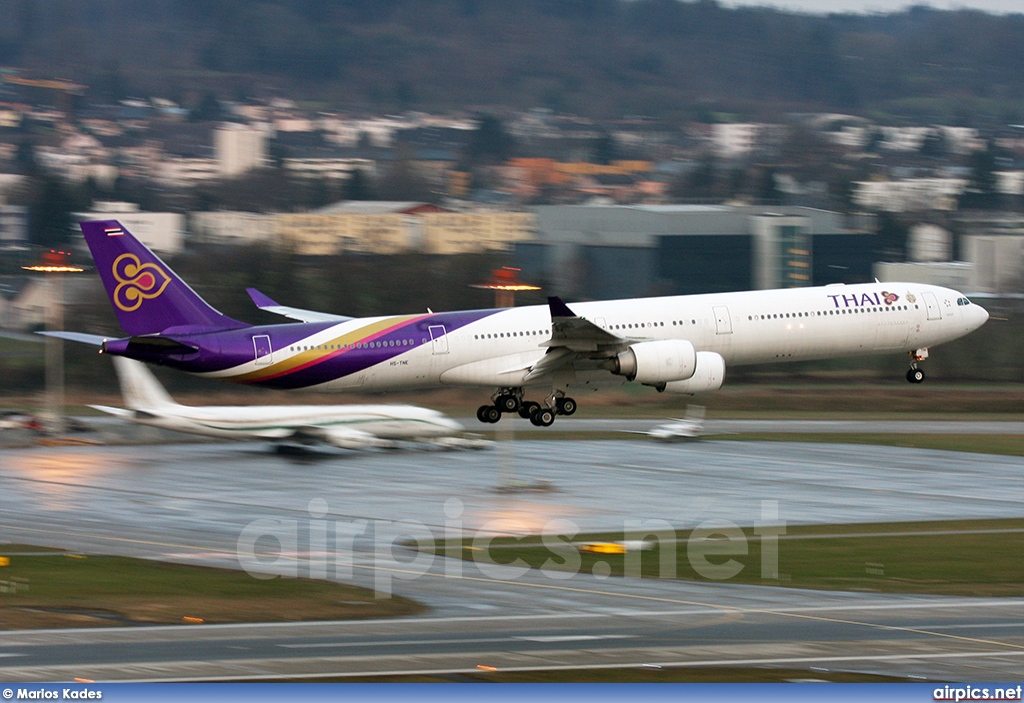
[573, 638]
[713, 606]
[440, 639]
[1019, 625]
[637, 613]
[626, 596]
[557, 667]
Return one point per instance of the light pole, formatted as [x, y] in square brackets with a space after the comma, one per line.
[505, 283]
[54, 264]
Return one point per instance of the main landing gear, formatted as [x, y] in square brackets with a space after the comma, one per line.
[510, 400]
[915, 374]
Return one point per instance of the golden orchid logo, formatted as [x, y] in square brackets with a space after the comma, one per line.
[137, 282]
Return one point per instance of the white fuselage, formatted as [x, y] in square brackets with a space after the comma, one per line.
[391, 422]
[753, 327]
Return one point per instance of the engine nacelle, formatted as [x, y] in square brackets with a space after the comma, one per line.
[708, 377]
[655, 363]
[346, 438]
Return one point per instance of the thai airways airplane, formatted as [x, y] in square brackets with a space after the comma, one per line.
[680, 344]
[345, 426]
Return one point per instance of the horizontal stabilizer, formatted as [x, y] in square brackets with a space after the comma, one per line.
[93, 339]
[119, 412]
[264, 302]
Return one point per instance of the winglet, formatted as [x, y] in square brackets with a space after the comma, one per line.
[559, 308]
[262, 301]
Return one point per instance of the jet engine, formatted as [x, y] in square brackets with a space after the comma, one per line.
[708, 377]
[342, 437]
[655, 363]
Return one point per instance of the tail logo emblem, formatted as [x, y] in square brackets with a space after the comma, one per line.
[136, 282]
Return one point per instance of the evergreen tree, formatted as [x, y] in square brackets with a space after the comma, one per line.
[357, 186]
[50, 223]
[490, 143]
[981, 192]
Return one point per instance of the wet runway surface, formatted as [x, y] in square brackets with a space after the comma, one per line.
[193, 502]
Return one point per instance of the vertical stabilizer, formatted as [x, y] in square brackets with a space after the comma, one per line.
[148, 297]
[139, 387]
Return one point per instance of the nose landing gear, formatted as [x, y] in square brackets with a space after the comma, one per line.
[915, 374]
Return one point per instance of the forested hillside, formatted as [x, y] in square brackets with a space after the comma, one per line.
[600, 58]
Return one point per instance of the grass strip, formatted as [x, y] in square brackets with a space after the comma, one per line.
[68, 590]
[963, 557]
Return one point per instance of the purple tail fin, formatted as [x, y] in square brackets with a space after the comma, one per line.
[148, 297]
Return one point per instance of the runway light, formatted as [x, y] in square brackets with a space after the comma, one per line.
[79, 679]
[54, 261]
[485, 667]
[192, 620]
[75, 556]
[505, 283]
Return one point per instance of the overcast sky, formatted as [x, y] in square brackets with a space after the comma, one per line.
[826, 6]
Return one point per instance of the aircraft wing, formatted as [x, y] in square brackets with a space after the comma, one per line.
[263, 302]
[576, 333]
[573, 338]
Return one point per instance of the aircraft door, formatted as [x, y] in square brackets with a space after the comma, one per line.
[264, 352]
[932, 305]
[723, 323]
[438, 339]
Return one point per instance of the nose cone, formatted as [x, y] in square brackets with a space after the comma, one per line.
[979, 316]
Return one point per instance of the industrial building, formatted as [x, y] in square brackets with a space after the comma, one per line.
[622, 251]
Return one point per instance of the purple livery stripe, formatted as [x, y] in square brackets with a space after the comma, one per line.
[318, 365]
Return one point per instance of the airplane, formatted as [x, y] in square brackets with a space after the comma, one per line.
[677, 344]
[344, 426]
[687, 428]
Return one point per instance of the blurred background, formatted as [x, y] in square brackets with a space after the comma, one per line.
[372, 158]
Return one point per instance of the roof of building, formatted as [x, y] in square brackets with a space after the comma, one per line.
[379, 207]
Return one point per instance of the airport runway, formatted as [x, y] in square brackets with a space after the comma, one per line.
[716, 427]
[191, 502]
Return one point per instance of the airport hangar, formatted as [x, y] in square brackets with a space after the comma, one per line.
[626, 251]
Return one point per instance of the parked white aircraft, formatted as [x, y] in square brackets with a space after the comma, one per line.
[345, 426]
[680, 429]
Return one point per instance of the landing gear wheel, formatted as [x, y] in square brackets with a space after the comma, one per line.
[527, 409]
[542, 417]
[915, 375]
[488, 414]
[565, 406]
[507, 403]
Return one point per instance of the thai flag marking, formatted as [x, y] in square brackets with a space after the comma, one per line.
[113, 231]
